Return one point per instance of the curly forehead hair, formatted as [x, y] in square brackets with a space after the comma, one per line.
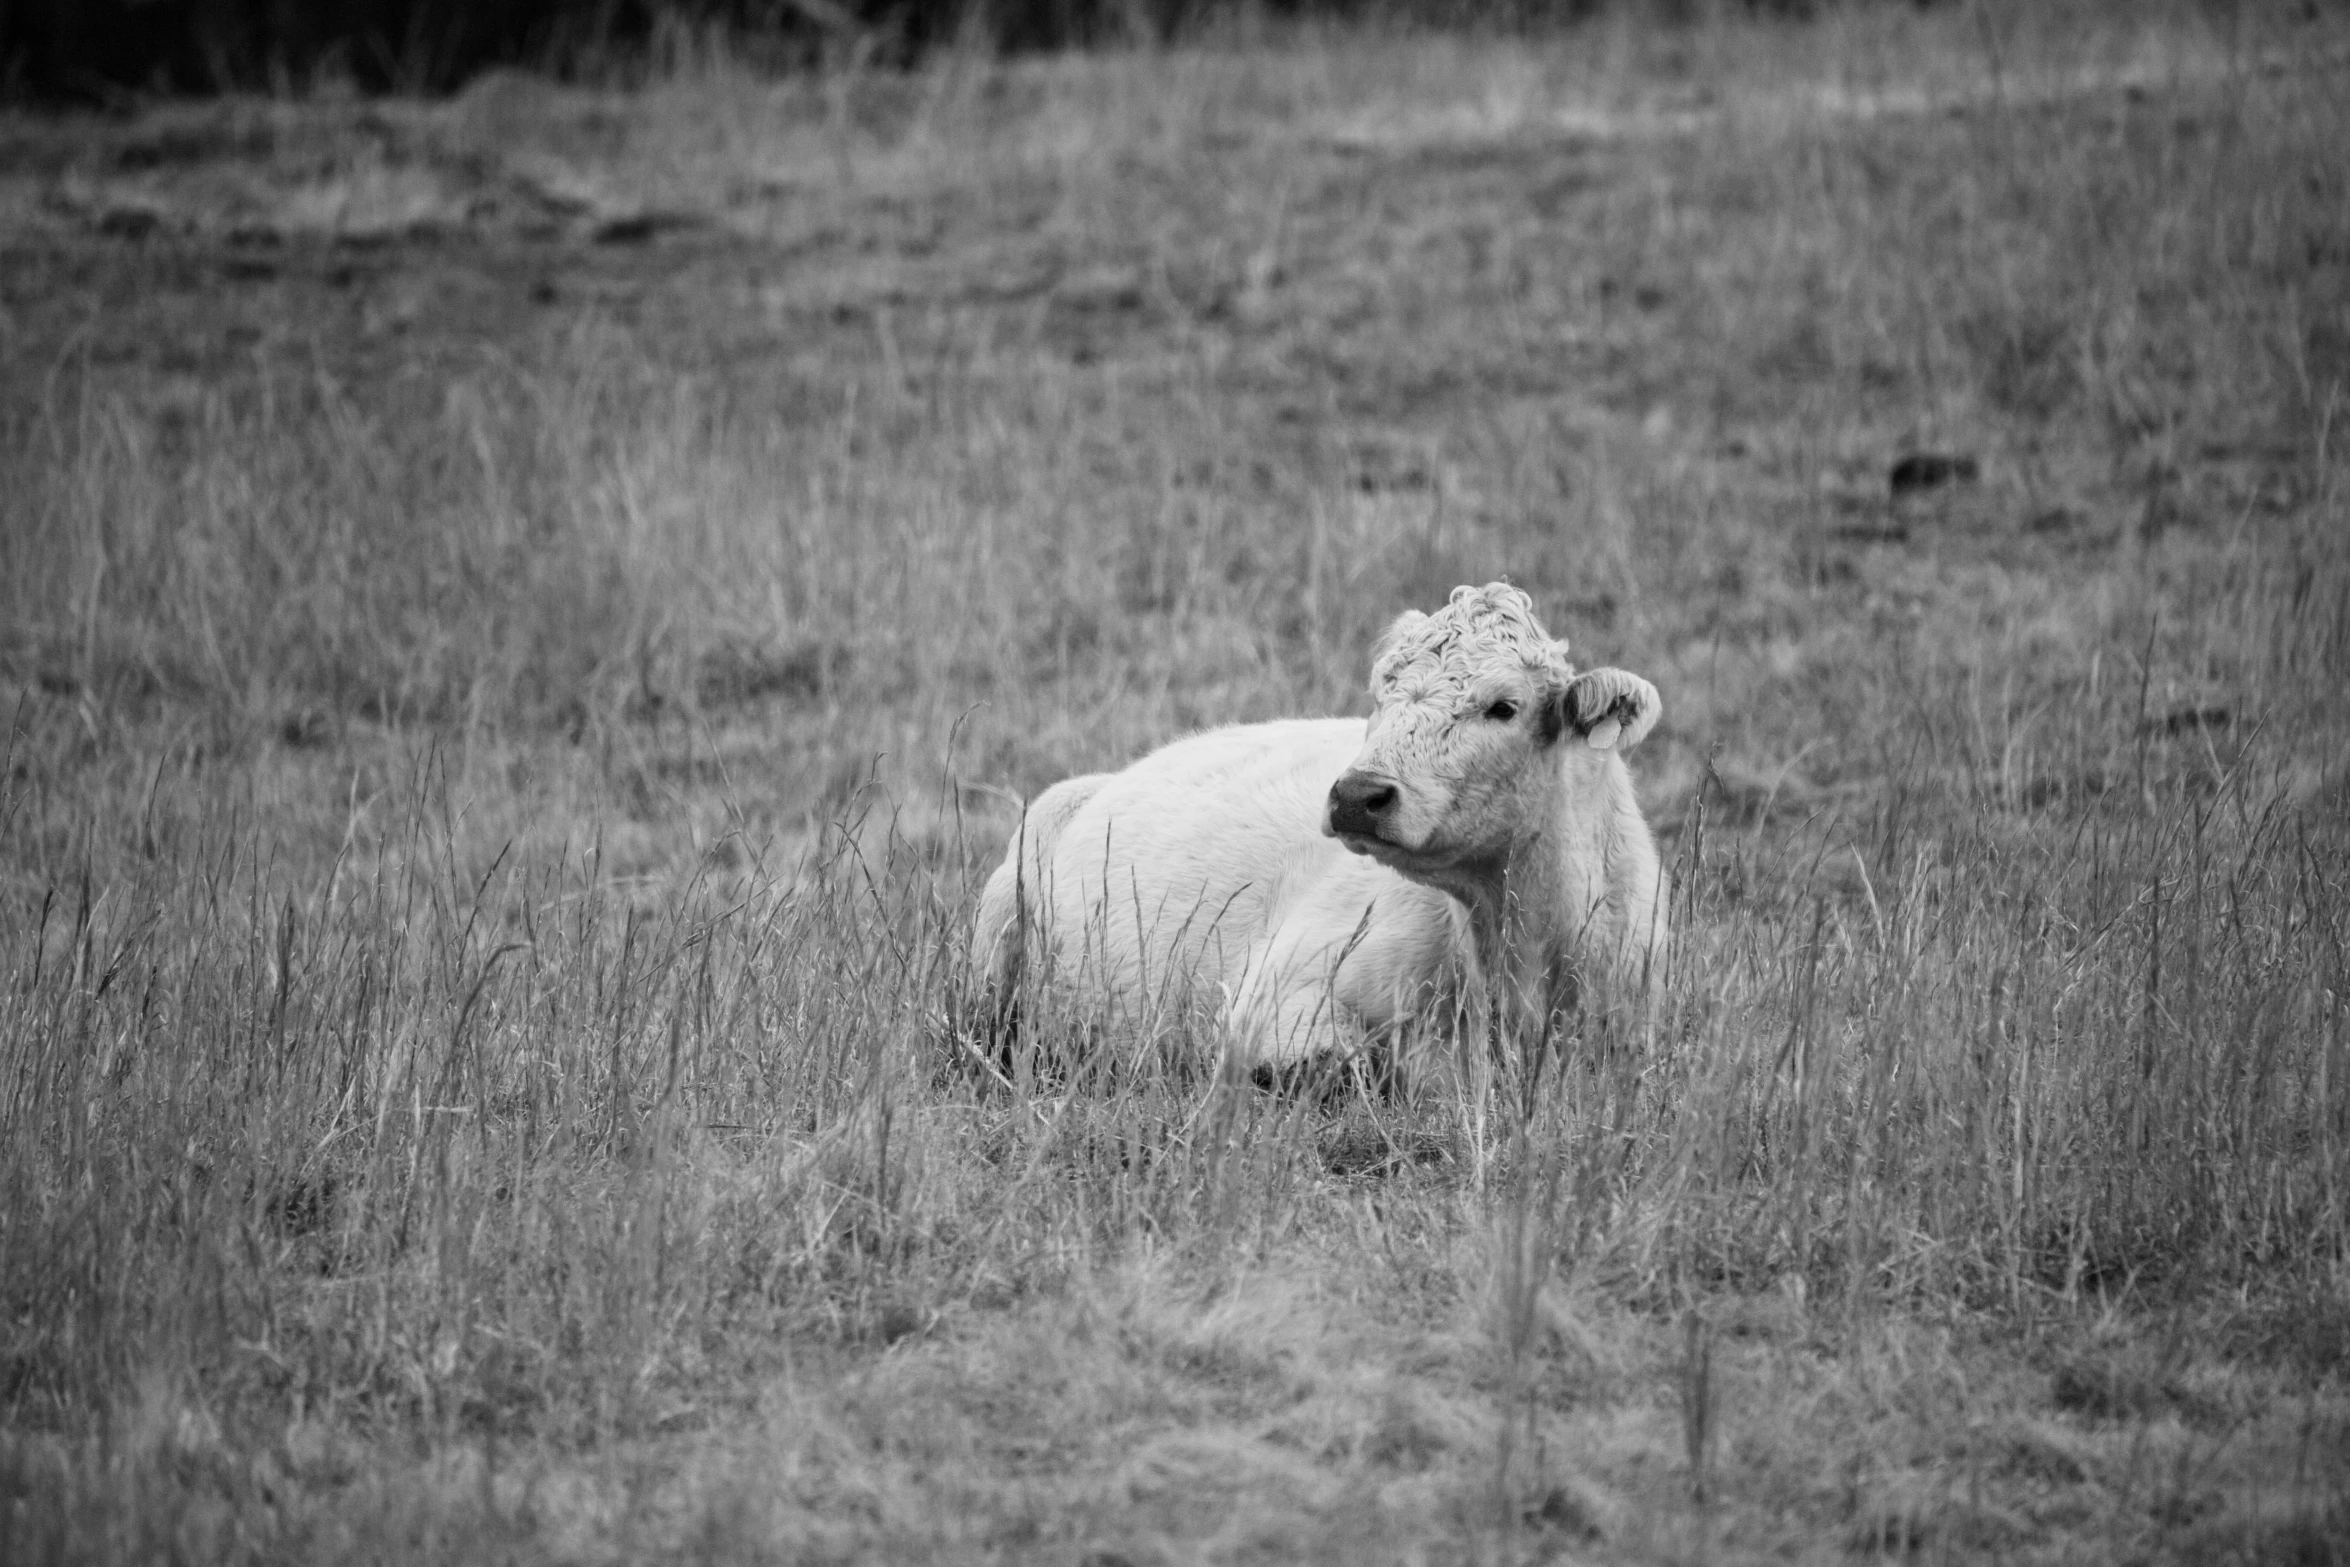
[1478, 631]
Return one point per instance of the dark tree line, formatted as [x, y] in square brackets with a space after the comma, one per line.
[102, 49]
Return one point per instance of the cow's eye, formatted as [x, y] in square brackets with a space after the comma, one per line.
[1502, 711]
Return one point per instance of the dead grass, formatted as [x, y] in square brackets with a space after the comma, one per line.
[525, 618]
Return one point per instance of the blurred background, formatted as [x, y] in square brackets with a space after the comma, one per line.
[89, 48]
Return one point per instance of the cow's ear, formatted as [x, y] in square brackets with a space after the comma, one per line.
[1610, 709]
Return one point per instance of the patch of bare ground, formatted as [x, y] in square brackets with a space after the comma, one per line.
[523, 620]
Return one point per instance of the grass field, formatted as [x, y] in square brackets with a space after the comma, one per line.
[524, 620]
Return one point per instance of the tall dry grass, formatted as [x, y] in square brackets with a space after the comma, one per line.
[486, 852]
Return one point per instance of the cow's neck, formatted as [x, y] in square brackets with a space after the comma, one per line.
[1520, 919]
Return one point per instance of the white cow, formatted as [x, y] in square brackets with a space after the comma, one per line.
[1470, 857]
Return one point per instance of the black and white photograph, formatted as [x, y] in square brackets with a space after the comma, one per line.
[1160, 783]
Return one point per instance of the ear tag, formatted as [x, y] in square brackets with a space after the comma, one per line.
[1603, 735]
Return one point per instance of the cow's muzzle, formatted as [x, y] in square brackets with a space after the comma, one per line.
[1360, 804]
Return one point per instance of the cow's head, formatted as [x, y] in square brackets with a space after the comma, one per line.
[1462, 763]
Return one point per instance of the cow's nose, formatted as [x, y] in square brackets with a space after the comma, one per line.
[1359, 802]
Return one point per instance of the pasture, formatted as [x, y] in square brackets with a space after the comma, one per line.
[525, 620]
